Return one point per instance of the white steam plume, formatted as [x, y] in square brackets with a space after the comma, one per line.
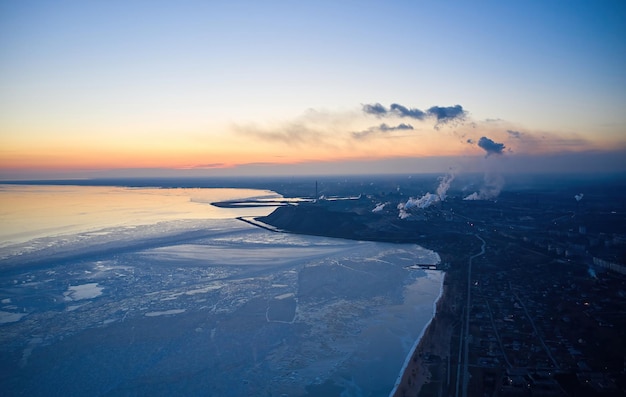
[490, 190]
[379, 207]
[444, 185]
[474, 196]
[403, 214]
[427, 199]
[423, 202]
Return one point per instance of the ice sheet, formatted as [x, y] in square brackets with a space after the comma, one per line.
[215, 307]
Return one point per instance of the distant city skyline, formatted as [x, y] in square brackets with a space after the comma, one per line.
[95, 89]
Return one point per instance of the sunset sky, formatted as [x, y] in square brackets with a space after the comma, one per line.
[261, 87]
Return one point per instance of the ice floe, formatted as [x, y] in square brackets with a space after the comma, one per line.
[164, 312]
[84, 291]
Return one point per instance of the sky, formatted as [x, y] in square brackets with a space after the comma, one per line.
[150, 88]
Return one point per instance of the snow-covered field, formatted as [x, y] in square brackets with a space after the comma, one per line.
[171, 296]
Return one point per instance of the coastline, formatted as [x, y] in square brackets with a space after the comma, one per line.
[429, 371]
[431, 350]
[434, 338]
[426, 370]
[412, 359]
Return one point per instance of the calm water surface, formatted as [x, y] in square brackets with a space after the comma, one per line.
[27, 212]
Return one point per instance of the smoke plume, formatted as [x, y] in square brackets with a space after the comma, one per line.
[402, 214]
[423, 202]
[379, 207]
[491, 188]
[444, 185]
[427, 199]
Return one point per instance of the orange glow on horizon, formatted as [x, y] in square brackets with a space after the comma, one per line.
[107, 159]
[76, 153]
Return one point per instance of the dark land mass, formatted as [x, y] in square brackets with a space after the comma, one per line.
[534, 299]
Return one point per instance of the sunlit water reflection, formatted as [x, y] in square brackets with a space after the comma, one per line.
[27, 212]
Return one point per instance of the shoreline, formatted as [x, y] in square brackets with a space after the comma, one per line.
[411, 356]
[426, 368]
[414, 372]
[432, 348]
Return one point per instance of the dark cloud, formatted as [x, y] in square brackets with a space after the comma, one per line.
[403, 111]
[375, 109]
[490, 146]
[385, 127]
[381, 128]
[448, 113]
[443, 114]
[514, 134]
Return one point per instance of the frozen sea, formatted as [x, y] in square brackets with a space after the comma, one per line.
[113, 291]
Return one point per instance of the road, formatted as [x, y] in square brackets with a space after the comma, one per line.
[465, 374]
